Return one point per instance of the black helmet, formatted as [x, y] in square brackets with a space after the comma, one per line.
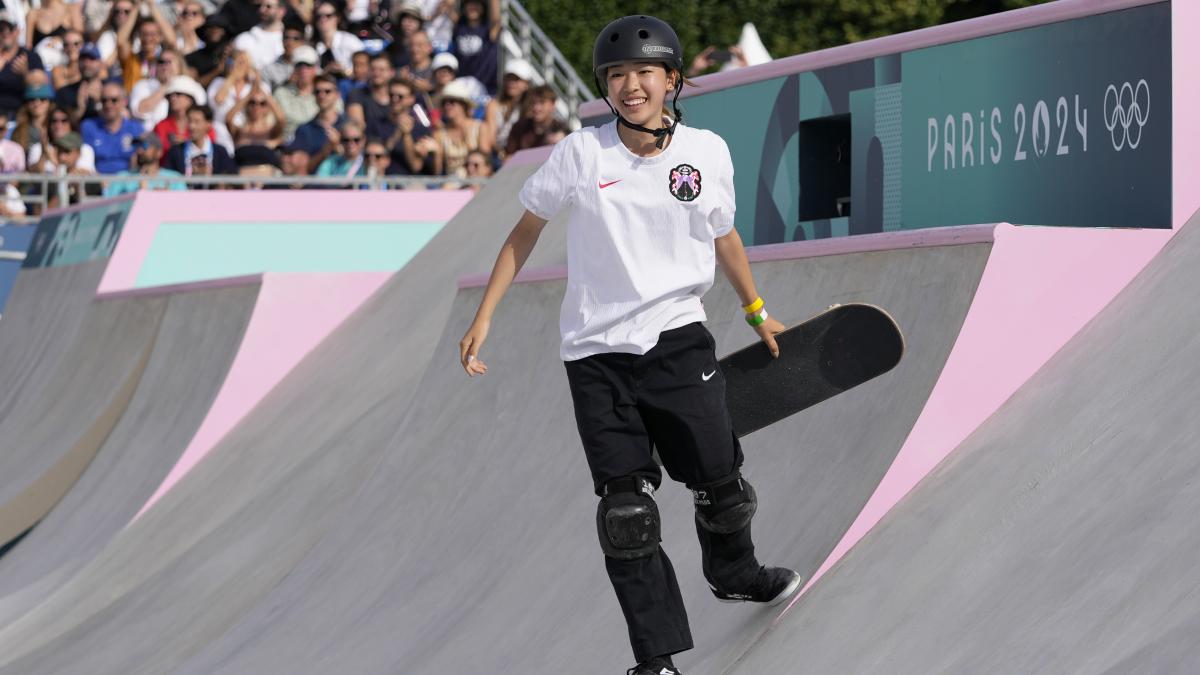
[636, 38]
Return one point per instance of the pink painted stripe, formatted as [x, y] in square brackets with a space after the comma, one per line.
[531, 156]
[293, 314]
[1028, 17]
[1185, 110]
[296, 206]
[863, 243]
[523, 277]
[1041, 285]
[187, 287]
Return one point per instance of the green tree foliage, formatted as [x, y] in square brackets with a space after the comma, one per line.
[786, 27]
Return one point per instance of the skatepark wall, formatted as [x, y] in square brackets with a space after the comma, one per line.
[1071, 113]
[320, 255]
[14, 243]
[66, 236]
[182, 237]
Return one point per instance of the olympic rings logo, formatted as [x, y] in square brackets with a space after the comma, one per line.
[1129, 108]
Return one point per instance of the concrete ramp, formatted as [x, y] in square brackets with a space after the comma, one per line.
[472, 547]
[199, 335]
[1059, 537]
[54, 430]
[239, 523]
[40, 323]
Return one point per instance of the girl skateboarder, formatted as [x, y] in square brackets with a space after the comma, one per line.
[652, 212]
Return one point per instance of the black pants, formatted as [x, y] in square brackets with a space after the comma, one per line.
[671, 399]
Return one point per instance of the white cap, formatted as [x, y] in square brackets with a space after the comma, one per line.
[182, 84]
[520, 68]
[445, 60]
[413, 7]
[305, 54]
[458, 89]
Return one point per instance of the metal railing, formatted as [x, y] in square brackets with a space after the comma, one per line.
[534, 46]
[37, 189]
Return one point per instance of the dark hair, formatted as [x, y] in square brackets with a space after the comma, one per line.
[326, 78]
[543, 91]
[202, 109]
[381, 56]
[293, 23]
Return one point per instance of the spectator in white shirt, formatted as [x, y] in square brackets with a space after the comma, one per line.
[335, 46]
[264, 42]
[148, 101]
[275, 74]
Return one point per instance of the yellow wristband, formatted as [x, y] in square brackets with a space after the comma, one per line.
[754, 306]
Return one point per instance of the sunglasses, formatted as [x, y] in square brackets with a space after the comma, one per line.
[257, 103]
[352, 139]
[164, 62]
[110, 99]
[376, 155]
[397, 96]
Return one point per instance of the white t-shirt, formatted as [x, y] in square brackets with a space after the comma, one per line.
[640, 250]
[141, 91]
[264, 46]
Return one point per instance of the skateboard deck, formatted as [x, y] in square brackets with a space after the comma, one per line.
[838, 349]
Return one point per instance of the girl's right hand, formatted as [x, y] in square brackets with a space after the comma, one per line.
[469, 348]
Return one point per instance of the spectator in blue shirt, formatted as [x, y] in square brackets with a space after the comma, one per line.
[474, 44]
[350, 160]
[145, 167]
[112, 134]
[319, 136]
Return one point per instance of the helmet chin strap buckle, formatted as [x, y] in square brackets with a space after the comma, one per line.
[660, 134]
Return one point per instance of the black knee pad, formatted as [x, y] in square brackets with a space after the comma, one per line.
[725, 506]
[627, 519]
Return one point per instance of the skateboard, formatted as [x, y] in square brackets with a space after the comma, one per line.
[838, 349]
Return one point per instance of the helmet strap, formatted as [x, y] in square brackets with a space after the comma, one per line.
[660, 135]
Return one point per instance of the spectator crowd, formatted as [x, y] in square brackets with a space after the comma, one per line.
[162, 90]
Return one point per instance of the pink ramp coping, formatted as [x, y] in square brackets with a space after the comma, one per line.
[1040, 286]
[271, 206]
[294, 313]
[1185, 109]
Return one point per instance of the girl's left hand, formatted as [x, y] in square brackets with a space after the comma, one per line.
[767, 330]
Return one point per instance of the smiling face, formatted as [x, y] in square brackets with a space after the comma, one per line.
[198, 126]
[151, 36]
[637, 90]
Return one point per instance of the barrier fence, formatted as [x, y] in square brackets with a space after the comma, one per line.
[38, 191]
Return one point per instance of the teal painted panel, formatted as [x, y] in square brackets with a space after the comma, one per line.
[746, 139]
[188, 252]
[1063, 124]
